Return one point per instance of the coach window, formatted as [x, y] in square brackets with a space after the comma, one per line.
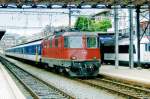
[123, 48]
[109, 49]
[39, 49]
[92, 42]
[134, 49]
[147, 47]
[56, 43]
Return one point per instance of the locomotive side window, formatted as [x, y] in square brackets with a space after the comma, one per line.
[73, 42]
[66, 43]
[56, 43]
[92, 42]
[50, 43]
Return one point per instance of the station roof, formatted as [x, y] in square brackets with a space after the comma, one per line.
[2, 32]
[72, 3]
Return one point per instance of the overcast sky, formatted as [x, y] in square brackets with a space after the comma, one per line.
[13, 18]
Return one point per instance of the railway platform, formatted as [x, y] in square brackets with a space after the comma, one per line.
[8, 89]
[140, 77]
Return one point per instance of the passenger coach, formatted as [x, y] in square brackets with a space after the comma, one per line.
[28, 51]
[109, 51]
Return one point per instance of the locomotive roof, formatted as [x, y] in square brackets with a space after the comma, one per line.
[79, 33]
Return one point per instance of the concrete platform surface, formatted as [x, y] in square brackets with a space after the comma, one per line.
[137, 76]
[5, 90]
[8, 88]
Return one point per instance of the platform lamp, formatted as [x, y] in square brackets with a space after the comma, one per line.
[4, 5]
[94, 5]
[19, 5]
[108, 6]
[49, 6]
[34, 5]
[79, 6]
[64, 6]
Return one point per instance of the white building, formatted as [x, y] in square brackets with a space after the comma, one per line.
[7, 41]
[122, 17]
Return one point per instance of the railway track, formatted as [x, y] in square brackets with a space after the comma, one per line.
[116, 87]
[126, 90]
[38, 88]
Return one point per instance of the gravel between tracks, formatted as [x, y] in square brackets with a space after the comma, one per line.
[74, 88]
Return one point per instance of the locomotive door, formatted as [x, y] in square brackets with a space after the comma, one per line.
[61, 48]
[102, 52]
[101, 47]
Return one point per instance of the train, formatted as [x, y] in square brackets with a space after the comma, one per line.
[109, 51]
[74, 53]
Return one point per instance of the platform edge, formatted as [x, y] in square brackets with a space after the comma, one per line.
[16, 91]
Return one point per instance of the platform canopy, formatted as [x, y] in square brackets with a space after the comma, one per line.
[70, 3]
[2, 32]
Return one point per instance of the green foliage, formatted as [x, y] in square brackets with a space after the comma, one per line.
[82, 23]
[87, 24]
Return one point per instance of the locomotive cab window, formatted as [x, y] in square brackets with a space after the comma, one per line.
[73, 42]
[92, 42]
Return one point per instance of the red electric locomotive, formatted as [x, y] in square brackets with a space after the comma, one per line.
[76, 53]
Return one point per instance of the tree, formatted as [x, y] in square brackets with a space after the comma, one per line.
[103, 25]
[82, 23]
[87, 24]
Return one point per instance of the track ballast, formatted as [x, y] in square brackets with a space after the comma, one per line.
[123, 89]
[39, 89]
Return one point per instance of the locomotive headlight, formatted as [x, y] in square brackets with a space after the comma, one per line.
[94, 58]
[73, 58]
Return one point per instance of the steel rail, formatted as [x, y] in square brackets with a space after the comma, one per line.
[33, 87]
[116, 87]
[121, 88]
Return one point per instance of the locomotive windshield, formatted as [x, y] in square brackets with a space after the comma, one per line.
[73, 42]
[92, 42]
